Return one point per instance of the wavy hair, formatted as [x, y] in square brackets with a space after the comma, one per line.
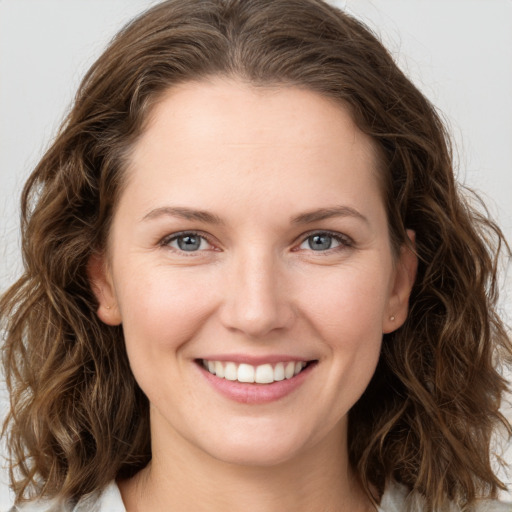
[78, 418]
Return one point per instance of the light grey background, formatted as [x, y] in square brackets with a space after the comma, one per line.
[459, 52]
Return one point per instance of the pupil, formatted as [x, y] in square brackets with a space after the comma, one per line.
[189, 243]
[320, 242]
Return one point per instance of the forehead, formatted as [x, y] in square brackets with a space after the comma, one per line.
[239, 112]
[260, 137]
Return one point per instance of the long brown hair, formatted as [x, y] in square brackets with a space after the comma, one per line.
[78, 418]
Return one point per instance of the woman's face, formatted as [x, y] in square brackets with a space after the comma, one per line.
[251, 240]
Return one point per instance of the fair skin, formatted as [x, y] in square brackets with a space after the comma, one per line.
[251, 231]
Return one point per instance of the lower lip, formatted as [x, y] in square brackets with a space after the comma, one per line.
[248, 393]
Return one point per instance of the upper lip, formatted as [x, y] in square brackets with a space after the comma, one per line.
[255, 360]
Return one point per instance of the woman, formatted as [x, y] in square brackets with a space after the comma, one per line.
[251, 282]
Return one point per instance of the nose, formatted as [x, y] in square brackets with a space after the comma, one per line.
[257, 300]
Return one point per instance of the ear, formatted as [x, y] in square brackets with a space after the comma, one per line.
[405, 275]
[102, 286]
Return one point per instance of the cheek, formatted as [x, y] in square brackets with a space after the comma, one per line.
[344, 310]
[162, 310]
[347, 301]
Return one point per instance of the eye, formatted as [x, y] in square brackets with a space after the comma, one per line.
[324, 241]
[187, 242]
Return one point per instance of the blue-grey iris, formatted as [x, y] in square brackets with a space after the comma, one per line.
[320, 242]
[189, 242]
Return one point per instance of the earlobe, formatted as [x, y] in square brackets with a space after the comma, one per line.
[103, 288]
[405, 275]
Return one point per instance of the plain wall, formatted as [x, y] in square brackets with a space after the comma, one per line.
[459, 53]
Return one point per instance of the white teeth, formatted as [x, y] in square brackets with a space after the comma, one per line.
[264, 374]
[230, 372]
[246, 373]
[289, 370]
[261, 374]
[219, 369]
[279, 371]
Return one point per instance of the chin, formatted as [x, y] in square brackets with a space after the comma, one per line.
[256, 454]
[258, 446]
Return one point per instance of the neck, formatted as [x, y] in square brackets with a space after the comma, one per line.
[181, 477]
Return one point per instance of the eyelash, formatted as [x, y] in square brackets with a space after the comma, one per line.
[166, 241]
[343, 240]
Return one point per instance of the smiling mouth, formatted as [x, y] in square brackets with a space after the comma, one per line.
[260, 374]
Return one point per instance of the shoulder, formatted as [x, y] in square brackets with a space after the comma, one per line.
[492, 506]
[397, 498]
[42, 505]
[109, 500]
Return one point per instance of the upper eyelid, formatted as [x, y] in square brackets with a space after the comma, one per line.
[169, 238]
[335, 234]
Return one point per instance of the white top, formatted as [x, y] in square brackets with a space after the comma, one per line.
[394, 500]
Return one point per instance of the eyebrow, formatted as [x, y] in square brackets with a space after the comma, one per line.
[327, 213]
[183, 212]
[210, 218]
